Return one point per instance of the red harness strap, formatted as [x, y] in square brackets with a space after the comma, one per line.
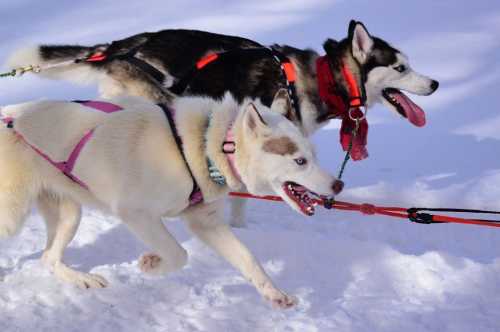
[206, 60]
[288, 71]
[329, 93]
[398, 212]
[96, 57]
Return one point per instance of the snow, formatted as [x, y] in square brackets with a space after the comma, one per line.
[350, 272]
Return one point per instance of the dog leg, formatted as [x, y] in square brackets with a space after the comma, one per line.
[205, 222]
[237, 214]
[14, 208]
[62, 217]
[16, 188]
[168, 254]
[125, 78]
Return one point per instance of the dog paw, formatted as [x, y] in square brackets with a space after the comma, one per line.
[90, 280]
[80, 279]
[150, 263]
[281, 300]
[155, 265]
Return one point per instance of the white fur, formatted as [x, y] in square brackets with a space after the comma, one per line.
[74, 72]
[362, 43]
[134, 171]
[381, 78]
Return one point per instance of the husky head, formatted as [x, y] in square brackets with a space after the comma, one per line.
[281, 160]
[384, 71]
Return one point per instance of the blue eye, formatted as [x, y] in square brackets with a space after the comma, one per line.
[300, 161]
[400, 68]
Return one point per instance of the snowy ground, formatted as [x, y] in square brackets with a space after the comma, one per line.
[350, 272]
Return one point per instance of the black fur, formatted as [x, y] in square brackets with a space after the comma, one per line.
[244, 74]
[383, 54]
[63, 52]
[175, 52]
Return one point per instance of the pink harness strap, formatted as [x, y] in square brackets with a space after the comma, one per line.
[100, 105]
[66, 167]
[229, 149]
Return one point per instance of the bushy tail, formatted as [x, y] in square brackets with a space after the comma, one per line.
[113, 76]
[44, 55]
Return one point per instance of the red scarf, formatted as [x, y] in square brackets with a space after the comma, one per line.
[335, 102]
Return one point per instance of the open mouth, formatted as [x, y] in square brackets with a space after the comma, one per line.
[405, 106]
[303, 198]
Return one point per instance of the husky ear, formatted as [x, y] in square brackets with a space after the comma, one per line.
[362, 42]
[350, 30]
[282, 104]
[253, 122]
[330, 46]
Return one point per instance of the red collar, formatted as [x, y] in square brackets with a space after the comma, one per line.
[338, 106]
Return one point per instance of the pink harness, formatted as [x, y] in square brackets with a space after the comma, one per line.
[66, 167]
[229, 149]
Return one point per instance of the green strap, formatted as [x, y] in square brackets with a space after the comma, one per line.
[215, 174]
[10, 73]
[21, 71]
[349, 149]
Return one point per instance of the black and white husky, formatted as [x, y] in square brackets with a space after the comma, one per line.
[161, 65]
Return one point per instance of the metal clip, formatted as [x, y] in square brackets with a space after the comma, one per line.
[23, 70]
[420, 218]
[357, 119]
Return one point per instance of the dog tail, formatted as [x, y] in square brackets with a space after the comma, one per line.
[49, 55]
[18, 188]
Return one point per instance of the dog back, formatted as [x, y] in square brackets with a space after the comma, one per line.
[54, 127]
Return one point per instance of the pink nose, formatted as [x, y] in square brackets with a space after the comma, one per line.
[337, 186]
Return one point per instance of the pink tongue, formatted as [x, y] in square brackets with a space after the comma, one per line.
[413, 112]
[299, 189]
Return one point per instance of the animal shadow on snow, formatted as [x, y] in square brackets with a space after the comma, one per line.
[113, 246]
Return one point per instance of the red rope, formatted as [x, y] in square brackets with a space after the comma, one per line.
[370, 209]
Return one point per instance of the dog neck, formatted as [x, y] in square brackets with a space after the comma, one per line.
[225, 146]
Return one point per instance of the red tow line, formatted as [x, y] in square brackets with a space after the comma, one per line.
[412, 214]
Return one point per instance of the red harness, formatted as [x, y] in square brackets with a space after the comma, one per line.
[327, 87]
[328, 92]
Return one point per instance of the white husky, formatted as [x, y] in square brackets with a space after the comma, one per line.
[130, 166]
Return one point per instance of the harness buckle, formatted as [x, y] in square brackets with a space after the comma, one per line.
[328, 203]
[420, 218]
[232, 147]
[359, 119]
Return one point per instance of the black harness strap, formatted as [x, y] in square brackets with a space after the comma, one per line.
[178, 141]
[181, 85]
[114, 51]
[415, 215]
[146, 67]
